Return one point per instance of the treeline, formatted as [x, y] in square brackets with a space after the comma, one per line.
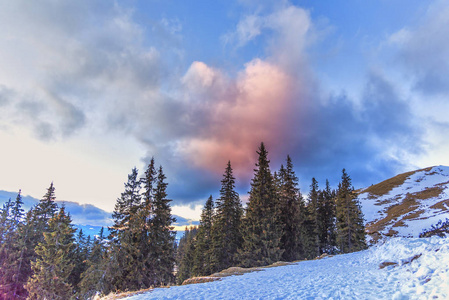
[277, 224]
[43, 257]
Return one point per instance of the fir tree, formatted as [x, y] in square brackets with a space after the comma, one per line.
[162, 236]
[350, 227]
[46, 208]
[55, 261]
[326, 217]
[124, 257]
[261, 228]
[203, 250]
[127, 204]
[185, 255]
[27, 234]
[93, 278]
[80, 256]
[225, 232]
[292, 213]
[311, 243]
[10, 250]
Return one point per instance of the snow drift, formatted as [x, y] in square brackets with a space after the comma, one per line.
[401, 268]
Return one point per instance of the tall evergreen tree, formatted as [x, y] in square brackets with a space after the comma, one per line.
[326, 220]
[93, 279]
[127, 204]
[292, 213]
[55, 261]
[350, 227]
[311, 243]
[10, 250]
[162, 236]
[185, 255]
[46, 208]
[28, 233]
[203, 241]
[226, 234]
[124, 255]
[262, 230]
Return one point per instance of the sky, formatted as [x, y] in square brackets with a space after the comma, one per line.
[91, 89]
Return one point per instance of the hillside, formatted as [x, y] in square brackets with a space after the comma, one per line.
[398, 269]
[406, 204]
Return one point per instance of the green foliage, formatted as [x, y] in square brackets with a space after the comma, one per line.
[292, 213]
[54, 263]
[11, 250]
[261, 228]
[94, 278]
[350, 227]
[326, 220]
[225, 232]
[202, 262]
[162, 236]
[185, 255]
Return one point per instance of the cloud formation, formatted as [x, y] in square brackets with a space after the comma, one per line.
[75, 67]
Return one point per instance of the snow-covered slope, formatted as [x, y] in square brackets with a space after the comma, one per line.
[406, 204]
[401, 268]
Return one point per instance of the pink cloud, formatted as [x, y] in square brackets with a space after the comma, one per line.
[255, 109]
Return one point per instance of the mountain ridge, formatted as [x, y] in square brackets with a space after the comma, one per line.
[406, 204]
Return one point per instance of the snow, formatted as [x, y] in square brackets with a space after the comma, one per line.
[375, 208]
[349, 276]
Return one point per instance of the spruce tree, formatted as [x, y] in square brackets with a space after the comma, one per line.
[162, 236]
[10, 250]
[28, 233]
[226, 234]
[55, 262]
[124, 255]
[262, 230]
[46, 208]
[350, 227]
[127, 204]
[93, 279]
[203, 244]
[20, 259]
[326, 217]
[311, 243]
[185, 255]
[292, 213]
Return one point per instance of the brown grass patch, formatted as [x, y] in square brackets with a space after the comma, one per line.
[394, 214]
[112, 296]
[235, 271]
[387, 263]
[195, 280]
[414, 215]
[442, 205]
[386, 186]
[432, 192]
[407, 209]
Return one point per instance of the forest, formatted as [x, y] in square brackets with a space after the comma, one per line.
[42, 255]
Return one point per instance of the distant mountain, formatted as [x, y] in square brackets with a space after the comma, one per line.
[87, 216]
[84, 214]
[406, 204]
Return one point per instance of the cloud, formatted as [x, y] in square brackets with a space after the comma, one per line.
[73, 67]
[423, 50]
[65, 62]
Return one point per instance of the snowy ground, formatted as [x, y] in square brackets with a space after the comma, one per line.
[349, 276]
[423, 215]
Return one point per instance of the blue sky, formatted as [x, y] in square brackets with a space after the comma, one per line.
[90, 89]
